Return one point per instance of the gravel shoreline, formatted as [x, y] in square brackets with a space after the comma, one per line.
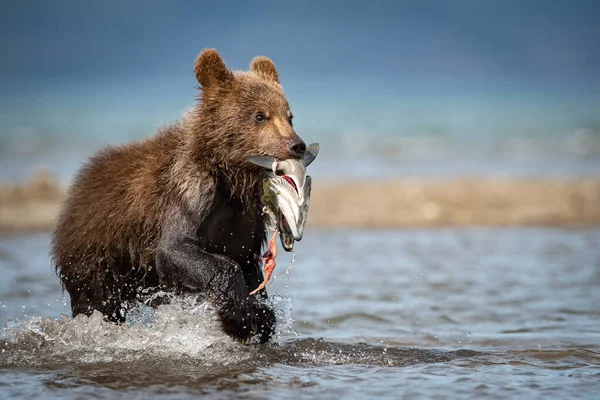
[33, 206]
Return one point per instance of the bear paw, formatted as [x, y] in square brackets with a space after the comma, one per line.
[248, 320]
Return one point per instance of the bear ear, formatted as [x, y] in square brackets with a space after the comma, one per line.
[264, 67]
[211, 70]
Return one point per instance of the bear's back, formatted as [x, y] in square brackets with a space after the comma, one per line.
[115, 206]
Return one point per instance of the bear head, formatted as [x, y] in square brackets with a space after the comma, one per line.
[243, 113]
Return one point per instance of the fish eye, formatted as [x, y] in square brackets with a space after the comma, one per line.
[260, 117]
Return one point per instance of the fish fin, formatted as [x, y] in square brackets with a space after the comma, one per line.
[262, 161]
[311, 153]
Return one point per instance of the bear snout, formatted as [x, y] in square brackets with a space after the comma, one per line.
[297, 147]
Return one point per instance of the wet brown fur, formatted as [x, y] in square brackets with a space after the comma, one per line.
[105, 242]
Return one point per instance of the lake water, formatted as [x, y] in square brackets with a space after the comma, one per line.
[444, 313]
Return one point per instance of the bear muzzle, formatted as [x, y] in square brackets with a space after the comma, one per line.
[297, 147]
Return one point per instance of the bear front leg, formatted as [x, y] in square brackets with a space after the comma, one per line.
[182, 263]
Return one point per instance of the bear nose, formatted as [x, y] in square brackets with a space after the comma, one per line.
[297, 147]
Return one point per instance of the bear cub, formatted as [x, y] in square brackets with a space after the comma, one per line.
[181, 210]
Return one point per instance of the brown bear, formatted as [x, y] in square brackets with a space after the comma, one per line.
[182, 209]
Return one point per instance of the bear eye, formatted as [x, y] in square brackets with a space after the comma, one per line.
[260, 117]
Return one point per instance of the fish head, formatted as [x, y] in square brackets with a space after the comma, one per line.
[288, 190]
[293, 202]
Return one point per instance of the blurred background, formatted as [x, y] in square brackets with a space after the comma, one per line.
[470, 129]
[389, 88]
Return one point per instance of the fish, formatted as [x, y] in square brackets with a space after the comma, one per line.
[286, 201]
[286, 195]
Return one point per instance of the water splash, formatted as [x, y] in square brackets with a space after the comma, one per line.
[283, 305]
[182, 328]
